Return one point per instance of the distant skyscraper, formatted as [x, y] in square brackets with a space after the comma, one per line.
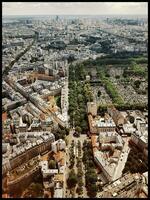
[57, 18]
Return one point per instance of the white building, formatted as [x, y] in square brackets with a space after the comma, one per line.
[87, 78]
[58, 145]
[107, 169]
[6, 147]
[45, 169]
[128, 128]
[108, 137]
[140, 136]
[58, 192]
[102, 147]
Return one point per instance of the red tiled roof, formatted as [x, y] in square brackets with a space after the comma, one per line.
[5, 195]
[4, 116]
[59, 157]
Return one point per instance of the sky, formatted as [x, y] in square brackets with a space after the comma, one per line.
[74, 8]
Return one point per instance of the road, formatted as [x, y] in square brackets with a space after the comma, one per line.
[70, 137]
[65, 173]
[84, 188]
[18, 56]
[66, 190]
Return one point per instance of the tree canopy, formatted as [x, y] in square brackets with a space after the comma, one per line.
[72, 179]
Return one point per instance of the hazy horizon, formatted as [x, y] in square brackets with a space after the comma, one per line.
[5, 17]
[74, 8]
[77, 15]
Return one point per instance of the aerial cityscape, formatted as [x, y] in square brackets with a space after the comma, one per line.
[74, 100]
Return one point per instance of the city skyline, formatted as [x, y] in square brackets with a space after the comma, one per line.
[74, 8]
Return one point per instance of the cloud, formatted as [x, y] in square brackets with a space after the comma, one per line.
[75, 8]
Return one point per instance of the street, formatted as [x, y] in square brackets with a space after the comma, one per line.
[70, 137]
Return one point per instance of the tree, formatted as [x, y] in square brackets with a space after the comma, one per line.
[99, 93]
[84, 143]
[137, 83]
[80, 173]
[79, 190]
[84, 125]
[71, 58]
[72, 179]
[117, 76]
[131, 119]
[52, 164]
[80, 98]
[92, 190]
[35, 189]
[58, 101]
[102, 110]
[63, 132]
[80, 183]
[91, 177]
[91, 164]
[107, 75]
[124, 74]
[66, 141]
